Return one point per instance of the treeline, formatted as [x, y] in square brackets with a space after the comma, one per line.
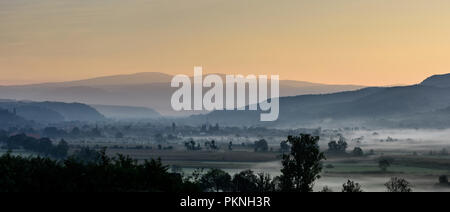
[107, 174]
[42, 146]
[88, 170]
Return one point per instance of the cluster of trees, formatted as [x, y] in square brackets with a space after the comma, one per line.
[192, 145]
[339, 147]
[261, 146]
[358, 152]
[210, 128]
[216, 180]
[395, 184]
[99, 173]
[209, 145]
[90, 170]
[301, 167]
[43, 146]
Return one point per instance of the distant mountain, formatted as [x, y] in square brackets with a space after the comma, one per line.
[127, 79]
[442, 81]
[52, 112]
[126, 112]
[368, 106]
[150, 90]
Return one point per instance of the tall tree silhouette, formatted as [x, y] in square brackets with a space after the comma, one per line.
[303, 165]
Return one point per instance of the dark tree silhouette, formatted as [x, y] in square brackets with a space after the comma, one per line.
[398, 185]
[443, 180]
[351, 187]
[302, 166]
[339, 147]
[384, 164]
[245, 181]
[108, 174]
[261, 146]
[358, 152]
[216, 180]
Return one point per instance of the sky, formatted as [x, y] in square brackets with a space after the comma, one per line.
[364, 42]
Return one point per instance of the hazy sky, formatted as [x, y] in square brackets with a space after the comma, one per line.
[370, 42]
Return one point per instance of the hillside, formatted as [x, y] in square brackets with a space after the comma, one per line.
[53, 112]
[126, 112]
[370, 106]
[442, 81]
[149, 90]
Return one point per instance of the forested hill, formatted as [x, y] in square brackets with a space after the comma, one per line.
[52, 112]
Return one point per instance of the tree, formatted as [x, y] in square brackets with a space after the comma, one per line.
[245, 181]
[398, 185]
[303, 165]
[358, 152]
[342, 144]
[213, 145]
[384, 164]
[261, 146]
[339, 147]
[443, 180]
[265, 183]
[192, 145]
[216, 180]
[351, 187]
[230, 146]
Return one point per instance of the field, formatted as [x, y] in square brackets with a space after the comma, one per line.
[416, 155]
[422, 171]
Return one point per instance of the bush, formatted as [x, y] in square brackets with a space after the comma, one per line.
[443, 180]
[351, 187]
[358, 152]
[398, 185]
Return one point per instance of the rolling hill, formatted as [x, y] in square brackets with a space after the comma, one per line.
[127, 112]
[392, 106]
[149, 90]
[52, 112]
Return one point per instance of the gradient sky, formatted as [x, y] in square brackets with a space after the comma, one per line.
[368, 42]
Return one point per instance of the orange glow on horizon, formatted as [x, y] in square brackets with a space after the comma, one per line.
[369, 43]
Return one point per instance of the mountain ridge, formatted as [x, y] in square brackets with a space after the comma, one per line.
[376, 106]
[146, 89]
